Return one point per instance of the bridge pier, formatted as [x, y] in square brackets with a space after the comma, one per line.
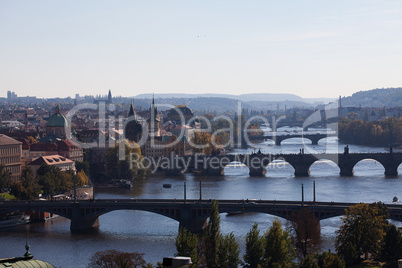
[257, 172]
[81, 223]
[190, 221]
[302, 171]
[215, 171]
[391, 170]
[346, 170]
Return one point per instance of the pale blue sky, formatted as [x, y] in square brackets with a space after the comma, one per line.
[309, 48]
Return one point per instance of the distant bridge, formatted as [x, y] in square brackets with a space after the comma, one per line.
[314, 138]
[191, 214]
[214, 165]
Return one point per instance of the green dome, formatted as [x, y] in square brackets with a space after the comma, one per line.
[57, 120]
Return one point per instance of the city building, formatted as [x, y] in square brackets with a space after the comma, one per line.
[64, 164]
[10, 155]
[57, 124]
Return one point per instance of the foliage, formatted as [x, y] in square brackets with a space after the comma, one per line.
[53, 180]
[385, 133]
[254, 248]
[32, 140]
[279, 251]
[116, 259]
[306, 232]
[5, 178]
[212, 237]
[27, 188]
[229, 252]
[82, 178]
[84, 166]
[362, 230]
[309, 262]
[123, 169]
[391, 249]
[186, 245]
[333, 261]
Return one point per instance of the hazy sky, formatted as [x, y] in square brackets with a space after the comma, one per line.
[309, 48]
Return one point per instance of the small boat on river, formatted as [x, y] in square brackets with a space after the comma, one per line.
[395, 200]
[167, 185]
[14, 219]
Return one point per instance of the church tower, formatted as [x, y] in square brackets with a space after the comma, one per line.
[109, 97]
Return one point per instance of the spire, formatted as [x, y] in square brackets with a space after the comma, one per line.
[109, 97]
[132, 110]
[57, 109]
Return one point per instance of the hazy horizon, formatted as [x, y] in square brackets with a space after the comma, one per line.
[312, 49]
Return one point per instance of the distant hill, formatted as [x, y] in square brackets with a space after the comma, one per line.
[380, 97]
[270, 97]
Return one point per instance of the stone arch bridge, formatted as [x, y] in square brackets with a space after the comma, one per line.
[214, 165]
[191, 214]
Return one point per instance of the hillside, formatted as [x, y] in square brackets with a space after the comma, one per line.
[380, 97]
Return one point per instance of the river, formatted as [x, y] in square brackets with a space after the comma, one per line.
[155, 235]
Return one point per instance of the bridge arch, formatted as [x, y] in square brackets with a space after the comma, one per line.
[279, 168]
[369, 165]
[324, 167]
[236, 168]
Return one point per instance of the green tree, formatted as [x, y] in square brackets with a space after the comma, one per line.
[254, 248]
[229, 252]
[309, 262]
[187, 246]
[53, 180]
[5, 178]
[29, 185]
[362, 230]
[333, 261]
[391, 249]
[212, 237]
[279, 251]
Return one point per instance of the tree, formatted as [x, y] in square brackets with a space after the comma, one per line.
[116, 259]
[212, 237]
[5, 178]
[27, 188]
[254, 248]
[187, 245]
[309, 262]
[279, 251]
[229, 252]
[362, 230]
[306, 230]
[333, 261]
[391, 249]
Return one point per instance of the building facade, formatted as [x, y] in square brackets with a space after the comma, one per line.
[10, 156]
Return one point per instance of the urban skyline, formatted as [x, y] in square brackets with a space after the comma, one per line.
[55, 49]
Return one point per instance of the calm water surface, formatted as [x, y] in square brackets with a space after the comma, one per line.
[155, 235]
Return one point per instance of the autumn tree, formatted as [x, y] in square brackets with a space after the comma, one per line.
[306, 231]
[254, 248]
[278, 251]
[362, 230]
[116, 259]
[187, 246]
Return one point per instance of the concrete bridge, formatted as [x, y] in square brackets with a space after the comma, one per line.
[214, 165]
[191, 214]
[314, 138]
